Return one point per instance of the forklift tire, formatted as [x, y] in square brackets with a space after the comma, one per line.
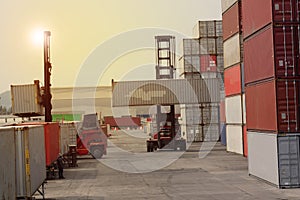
[97, 152]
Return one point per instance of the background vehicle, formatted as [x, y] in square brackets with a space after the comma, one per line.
[91, 138]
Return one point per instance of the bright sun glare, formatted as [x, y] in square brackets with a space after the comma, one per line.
[38, 37]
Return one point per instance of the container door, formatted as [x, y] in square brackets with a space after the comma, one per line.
[288, 150]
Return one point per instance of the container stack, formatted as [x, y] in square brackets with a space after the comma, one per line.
[271, 52]
[202, 58]
[233, 77]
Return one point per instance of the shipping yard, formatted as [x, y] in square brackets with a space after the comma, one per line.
[215, 117]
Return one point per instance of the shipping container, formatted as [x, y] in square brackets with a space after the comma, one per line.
[232, 21]
[277, 56]
[273, 106]
[68, 135]
[166, 92]
[25, 170]
[200, 114]
[234, 138]
[209, 75]
[208, 63]
[226, 4]
[52, 139]
[26, 100]
[7, 164]
[261, 106]
[125, 121]
[191, 46]
[211, 132]
[232, 51]
[260, 13]
[204, 29]
[245, 141]
[278, 164]
[232, 82]
[223, 133]
[208, 46]
[220, 63]
[219, 44]
[222, 111]
[262, 161]
[244, 108]
[191, 63]
[192, 133]
[234, 110]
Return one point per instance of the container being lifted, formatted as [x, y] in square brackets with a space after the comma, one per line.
[27, 100]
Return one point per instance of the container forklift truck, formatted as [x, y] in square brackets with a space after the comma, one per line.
[168, 137]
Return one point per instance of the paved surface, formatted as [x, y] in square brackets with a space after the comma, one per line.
[218, 176]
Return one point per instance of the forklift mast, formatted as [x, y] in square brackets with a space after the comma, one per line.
[47, 73]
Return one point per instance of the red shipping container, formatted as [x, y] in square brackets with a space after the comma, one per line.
[208, 63]
[232, 80]
[245, 141]
[261, 106]
[231, 21]
[259, 13]
[123, 121]
[52, 139]
[272, 53]
[273, 106]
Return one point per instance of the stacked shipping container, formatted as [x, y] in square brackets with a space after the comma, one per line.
[271, 51]
[202, 56]
[233, 77]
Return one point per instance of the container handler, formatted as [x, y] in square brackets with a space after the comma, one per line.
[91, 138]
[168, 136]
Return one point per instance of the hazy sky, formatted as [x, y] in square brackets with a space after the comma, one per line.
[115, 29]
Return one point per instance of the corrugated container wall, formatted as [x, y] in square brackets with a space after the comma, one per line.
[7, 164]
[279, 163]
[226, 4]
[166, 92]
[24, 171]
[259, 13]
[273, 106]
[26, 100]
[52, 139]
[277, 56]
[231, 21]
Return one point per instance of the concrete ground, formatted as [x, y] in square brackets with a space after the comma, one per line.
[127, 172]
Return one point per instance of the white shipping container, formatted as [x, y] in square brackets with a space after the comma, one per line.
[226, 4]
[233, 109]
[26, 100]
[232, 51]
[68, 136]
[30, 159]
[165, 92]
[244, 109]
[234, 138]
[211, 132]
[7, 164]
[263, 156]
[204, 29]
[27, 160]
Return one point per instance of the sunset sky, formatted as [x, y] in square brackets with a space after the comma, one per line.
[116, 36]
